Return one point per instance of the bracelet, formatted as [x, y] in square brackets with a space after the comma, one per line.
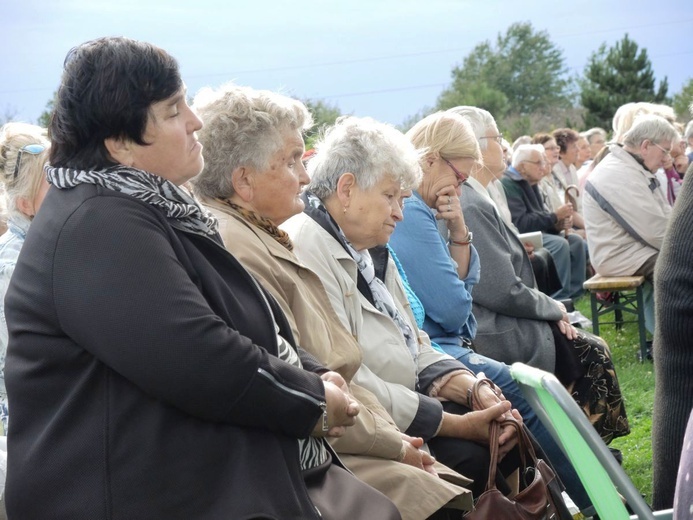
[467, 240]
[325, 424]
[473, 393]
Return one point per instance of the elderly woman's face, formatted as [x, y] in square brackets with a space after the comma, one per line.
[277, 190]
[571, 153]
[372, 214]
[173, 152]
[584, 152]
[552, 151]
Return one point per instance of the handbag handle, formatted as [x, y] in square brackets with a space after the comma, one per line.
[524, 445]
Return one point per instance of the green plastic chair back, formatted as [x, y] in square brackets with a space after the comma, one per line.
[599, 472]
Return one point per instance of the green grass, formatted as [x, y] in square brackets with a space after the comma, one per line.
[637, 385]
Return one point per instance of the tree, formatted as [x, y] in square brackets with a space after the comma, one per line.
[9, 114]
[615, 76]
[324, 115]
[45, 118]
[522, 74]
[683, 102]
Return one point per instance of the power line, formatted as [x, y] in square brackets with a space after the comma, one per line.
[389, 57]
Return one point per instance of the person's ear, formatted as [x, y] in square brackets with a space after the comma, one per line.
[345, 189]
[120, 149]
[243, 183]
[26, 206]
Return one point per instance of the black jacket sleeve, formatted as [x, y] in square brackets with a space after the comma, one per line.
[125, 298]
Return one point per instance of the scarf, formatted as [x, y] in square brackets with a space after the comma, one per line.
[178, 205]
[382, 298]
[263, 223]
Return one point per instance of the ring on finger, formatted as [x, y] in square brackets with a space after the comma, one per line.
[449, 207]
[449, 200]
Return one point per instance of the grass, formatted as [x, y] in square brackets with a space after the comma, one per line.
[637, 386]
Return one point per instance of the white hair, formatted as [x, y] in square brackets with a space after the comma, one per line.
[649, 127]
[368, 149]
[592, 132]
[480, 120]
[524, 153]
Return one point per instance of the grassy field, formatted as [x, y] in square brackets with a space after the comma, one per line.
[637, 386]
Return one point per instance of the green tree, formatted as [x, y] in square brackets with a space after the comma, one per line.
[45, 118]
[324, 115]
[615, 76]
[522, 74]
[682, 101]
[9, 114]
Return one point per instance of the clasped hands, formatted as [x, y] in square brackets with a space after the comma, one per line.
[491, 405]
[342, 408]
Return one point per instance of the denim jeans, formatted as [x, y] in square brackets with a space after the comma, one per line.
[499, 373]
[570, 257]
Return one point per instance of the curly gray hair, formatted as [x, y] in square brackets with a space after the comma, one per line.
[366, 148]
[242, 127]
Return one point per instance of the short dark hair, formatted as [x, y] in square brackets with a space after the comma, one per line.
[565, 137]
[107, 89]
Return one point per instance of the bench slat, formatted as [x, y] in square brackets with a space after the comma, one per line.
[614, 283]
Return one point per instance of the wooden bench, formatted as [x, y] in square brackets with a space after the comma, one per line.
[627, 297]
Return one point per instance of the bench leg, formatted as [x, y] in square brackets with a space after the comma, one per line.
[595, 313]
[618, 313]
[641, 324]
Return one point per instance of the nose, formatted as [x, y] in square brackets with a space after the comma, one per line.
[303, 177]
[397, 214]
[194, 122]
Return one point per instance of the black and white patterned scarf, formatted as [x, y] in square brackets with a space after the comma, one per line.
[382, 298]
[179, 205]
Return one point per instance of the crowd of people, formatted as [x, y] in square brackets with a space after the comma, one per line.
[205, 321]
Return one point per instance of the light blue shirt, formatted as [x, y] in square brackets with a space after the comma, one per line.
[10, 245]
[433, 276]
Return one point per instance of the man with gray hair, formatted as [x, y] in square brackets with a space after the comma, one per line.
[625, 212]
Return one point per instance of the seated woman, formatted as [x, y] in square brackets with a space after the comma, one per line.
[352, 204]
[442, 271]
[517, 322]
[251, 182]
[149, 374]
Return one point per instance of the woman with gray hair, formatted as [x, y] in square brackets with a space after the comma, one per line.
[251, 182]
[361, 172]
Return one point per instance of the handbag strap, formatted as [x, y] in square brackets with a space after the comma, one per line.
[524, 445]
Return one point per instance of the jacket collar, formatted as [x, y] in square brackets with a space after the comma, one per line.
[322, 217]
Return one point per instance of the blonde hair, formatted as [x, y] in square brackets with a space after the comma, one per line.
[447, 135]
[13, 137]
[626, 114]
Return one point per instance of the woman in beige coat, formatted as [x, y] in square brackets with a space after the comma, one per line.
[252, 181]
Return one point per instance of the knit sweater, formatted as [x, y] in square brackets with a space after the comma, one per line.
[673, 348]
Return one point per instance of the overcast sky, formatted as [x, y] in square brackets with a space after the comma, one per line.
[383, 58]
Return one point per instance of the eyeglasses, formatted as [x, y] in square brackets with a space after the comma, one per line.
[461, 177]
[554, 147]
[31, 149]
[666, 152]
[498, 138]
[535, 162]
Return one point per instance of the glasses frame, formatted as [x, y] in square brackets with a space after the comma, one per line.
[498, 138]
[31, 149]
[666, 152]
[535, 162]
[461, 177]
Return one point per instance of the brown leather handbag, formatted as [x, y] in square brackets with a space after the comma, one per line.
[534, 500]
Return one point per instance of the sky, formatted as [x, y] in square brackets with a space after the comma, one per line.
[387, 59]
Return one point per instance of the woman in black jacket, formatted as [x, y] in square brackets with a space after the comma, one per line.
[149, 374]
